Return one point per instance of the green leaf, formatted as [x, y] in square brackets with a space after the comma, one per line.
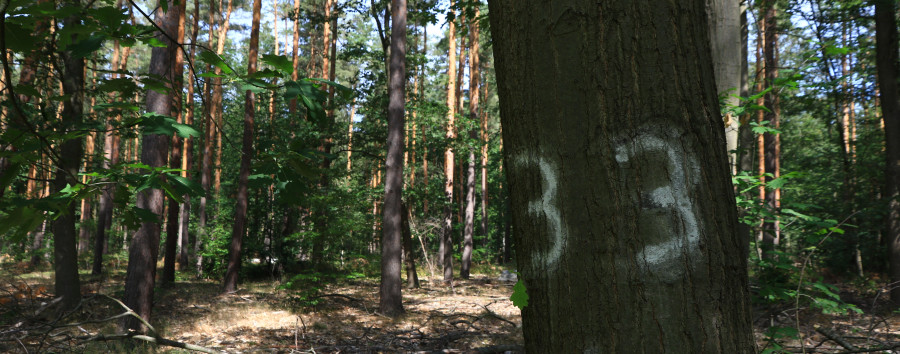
[280, 62]
[18, 39]
[155, 42]
[833, 50]
[87, 46]
[212, 75]
[215, 60]
[519, 296]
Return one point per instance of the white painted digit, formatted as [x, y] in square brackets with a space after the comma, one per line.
[662, 258]
[546, 208]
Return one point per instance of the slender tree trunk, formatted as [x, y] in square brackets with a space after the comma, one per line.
[771, 228]
[65, 253]
[409, 252]
[240, 208]
[173, 219]
[391, 303]
[140, 277]
[446, 244]
[292, 106]
[888, 76]
[468, 236]
[188, 162]
[84, 231]
[622, 200]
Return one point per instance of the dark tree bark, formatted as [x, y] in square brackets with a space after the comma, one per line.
[240, 209]
[622, 200]
[771, 144]
[409, 252]
[173, 219]
[65, 252]
[391, 302]
[888, 76]
[140, 277]
[111, 142]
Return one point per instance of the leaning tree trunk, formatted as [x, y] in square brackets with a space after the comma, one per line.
[888, 76]
[391, 302]
[623, 207]
[140, 277]
[240, 209]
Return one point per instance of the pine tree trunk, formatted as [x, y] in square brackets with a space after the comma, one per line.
[446, 245]
[188, 163]
[174, 211]
[240, 209]
[771, 227]
[140, 277]
[468, 236]
[624, 212]
[391, 302]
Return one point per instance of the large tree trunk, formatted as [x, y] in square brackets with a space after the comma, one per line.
[391, 303]
[240, 209]
[445, 249]
[174, 218]
[65, 253]
[140, 277]
[888, 76]
[623, 206]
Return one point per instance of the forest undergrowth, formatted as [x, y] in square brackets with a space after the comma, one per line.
[336, 312]
[311, 313]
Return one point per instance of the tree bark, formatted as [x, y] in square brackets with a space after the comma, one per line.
[468, 236]
[65, 252]
[771, 145]
[446, 245]
[888, 76]
[240, 209]
[409, 252]
[188, 163]
[725, 36]
[625, 218]
[173, 219]
[391, 302]
[140, 277]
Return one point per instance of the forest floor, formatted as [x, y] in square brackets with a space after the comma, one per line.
[316, 313]
[336, 313]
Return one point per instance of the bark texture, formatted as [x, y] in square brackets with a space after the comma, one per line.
[725, 37]
[391, 303]
[240, 208]
[140, 278]
[65, 253]
[625, 219]
[888, 76]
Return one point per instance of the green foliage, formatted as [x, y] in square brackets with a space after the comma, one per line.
[519, 296]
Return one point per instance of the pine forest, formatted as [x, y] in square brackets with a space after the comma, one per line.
[449, 176]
